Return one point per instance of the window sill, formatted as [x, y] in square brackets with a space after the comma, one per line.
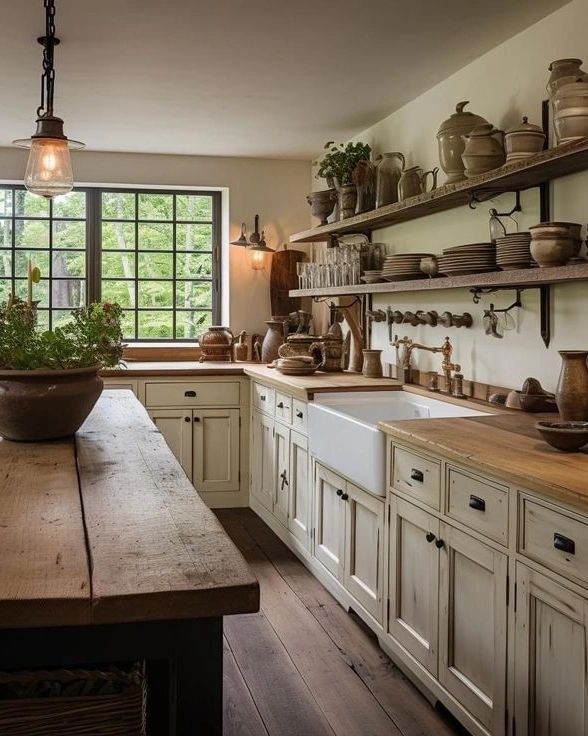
[164, 351]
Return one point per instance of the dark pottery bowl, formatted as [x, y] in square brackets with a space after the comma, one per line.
[565, 436]
[42, 405]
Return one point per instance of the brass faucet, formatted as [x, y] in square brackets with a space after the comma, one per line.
[446, 366]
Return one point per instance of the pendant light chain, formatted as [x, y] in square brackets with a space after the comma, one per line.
[48, 78]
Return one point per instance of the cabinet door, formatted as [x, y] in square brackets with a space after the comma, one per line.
[282, 472]
[414, 581]
[299, 516]
[364, 554]
[472, 626]
[262, 459]
[216, 450]
[176, 427]
[329, 520]
[551, 680]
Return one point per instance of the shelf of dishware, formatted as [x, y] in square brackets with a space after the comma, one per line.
[518, 175]
[519, 278]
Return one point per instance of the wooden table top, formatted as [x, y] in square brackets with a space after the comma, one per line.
[106, 528]
[506, 446]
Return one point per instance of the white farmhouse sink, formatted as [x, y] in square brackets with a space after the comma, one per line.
[343, 432]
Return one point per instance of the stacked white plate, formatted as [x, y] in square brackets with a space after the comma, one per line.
[372, 277]
[403, 266]
[513, 251]
[464, 259]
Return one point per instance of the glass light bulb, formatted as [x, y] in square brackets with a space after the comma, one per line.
[257, 260]
[49, 171]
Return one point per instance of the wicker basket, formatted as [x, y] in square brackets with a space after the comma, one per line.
[76, 702]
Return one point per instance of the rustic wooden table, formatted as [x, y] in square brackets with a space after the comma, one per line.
[108, 554]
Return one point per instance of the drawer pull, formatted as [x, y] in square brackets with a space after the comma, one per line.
[262, 398]
[339, 492]
[430, 537]
[417, 475]
[564, 544]
[299, 414]
[280, 405]
[477, 503]
[190, 394]
[284, 477]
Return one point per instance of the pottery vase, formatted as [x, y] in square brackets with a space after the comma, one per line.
[347, 200]
[564, 71]
[389, 170]
[274, 337]
[571, 395]
[216, 344]
[322, 204]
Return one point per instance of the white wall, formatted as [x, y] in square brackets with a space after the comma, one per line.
[275, 189]
[502, 85]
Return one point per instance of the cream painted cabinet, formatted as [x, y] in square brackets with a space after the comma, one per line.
[551, 658]
[176, 427]
[364, 551]
[282, 472]
[414, 581]
[473, 625]
[299, 514]
[262, 459]
[216, 450]
[329, 521]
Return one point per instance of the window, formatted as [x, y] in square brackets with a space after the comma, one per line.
[154, 252]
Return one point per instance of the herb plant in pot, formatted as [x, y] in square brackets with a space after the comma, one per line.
[49, 381]
[337, 167]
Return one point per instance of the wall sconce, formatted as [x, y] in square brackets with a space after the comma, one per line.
[256, 245]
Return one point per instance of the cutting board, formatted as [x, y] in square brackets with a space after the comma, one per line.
[283, 277]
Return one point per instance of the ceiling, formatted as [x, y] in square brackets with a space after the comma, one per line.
[267, 78]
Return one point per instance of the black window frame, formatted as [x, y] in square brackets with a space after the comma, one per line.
[93, 248]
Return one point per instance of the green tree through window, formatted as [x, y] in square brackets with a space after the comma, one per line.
[153, 252]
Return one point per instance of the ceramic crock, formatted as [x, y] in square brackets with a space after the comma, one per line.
[523, 140]
[570, 105]
[451, 143]
[564, 71]
[389, 170]
[372, 363]
[483, 150]
[217, 344]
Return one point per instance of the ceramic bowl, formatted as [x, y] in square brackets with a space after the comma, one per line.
[548, 252]
[565, 436]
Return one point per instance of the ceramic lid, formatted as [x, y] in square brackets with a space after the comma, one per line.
[525, 127]
[301, 338]
[462, 121]
[483, 130]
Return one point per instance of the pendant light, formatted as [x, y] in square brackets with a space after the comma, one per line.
[49, 170]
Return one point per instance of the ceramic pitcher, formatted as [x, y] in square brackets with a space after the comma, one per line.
[414, 181]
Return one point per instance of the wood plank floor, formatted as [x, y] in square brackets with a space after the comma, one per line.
[303, 666]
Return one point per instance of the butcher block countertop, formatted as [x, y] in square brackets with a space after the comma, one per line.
[504, 445]
[140, 369]
[106, 528]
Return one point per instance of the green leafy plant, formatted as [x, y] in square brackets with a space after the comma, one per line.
[92, 337]
[338, 164]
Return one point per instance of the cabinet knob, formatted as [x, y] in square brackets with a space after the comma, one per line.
[299, 414]
[439, 544]
[417, 475]
[477, 503]
[564, 544]
[344, 497]
[187, 419]
[280, 405]
[190, 394]
[430, 537]
[339, 492]
[196, 419]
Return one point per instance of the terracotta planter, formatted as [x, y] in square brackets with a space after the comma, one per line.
[571, 395]
[322, 204]
[46, 404]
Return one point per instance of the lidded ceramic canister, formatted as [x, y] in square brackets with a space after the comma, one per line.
[483, 150]
[451, 142]
[564, 71]
[523, 140]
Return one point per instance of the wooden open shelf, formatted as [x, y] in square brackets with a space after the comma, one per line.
[522, 278]
[519, 175]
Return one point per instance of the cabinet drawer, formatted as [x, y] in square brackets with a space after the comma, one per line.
[191, 393]
[283, 408]
[299, 409]
[263, 398]
[418, 476]
[555, 538]
[479, 504]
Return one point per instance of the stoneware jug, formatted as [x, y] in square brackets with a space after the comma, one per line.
[274, 337]
[414, 181]
[571, 395]
[389, 170]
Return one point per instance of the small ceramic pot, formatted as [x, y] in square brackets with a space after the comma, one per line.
[451, 142]
[322, 204]
[523, 140]
[564, 71]
[484, 150]
[347, 199]
[217, 344]
[548, 252]
[372, 363]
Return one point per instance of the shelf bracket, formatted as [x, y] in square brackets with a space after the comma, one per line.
[474, 200]
[544, 304]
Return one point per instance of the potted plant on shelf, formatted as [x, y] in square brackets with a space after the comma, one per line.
[49, 380]
[337, 167]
